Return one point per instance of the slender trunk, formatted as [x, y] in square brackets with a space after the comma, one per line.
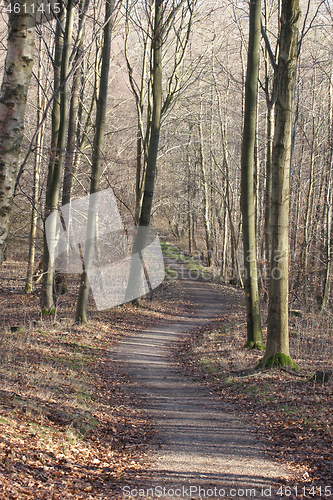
[189, 194]
[141, 150]
[308, 209]
[71, 157]
[48, 272]
[224, 243]
[236, 271]
[136, 272]
[270, 93]
[206, 197]
[156, 117]
[38, 155]
[277, 349]
[306, 236]
[69, 165]
[328, 205]
[269, 153]
[254, 334]
[326, 288]
[13, 98]
[81, 305]
[138, 190]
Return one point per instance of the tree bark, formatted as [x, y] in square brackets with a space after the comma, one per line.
[254, 334]
[328, 250]
[205, 186]
[150, 175]
[59, 122]
[156, 117]
[38, 156]
[70, 159]
[81, 305]
[13, 98]
[269, 154]
[69, 166]
[277, 349]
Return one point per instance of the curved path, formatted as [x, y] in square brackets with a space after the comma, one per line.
[202, 449]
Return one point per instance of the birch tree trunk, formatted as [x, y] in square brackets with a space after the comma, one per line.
[277, 348]
[13, 98]
[254, 334]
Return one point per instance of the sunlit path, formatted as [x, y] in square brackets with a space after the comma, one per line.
[200, 442]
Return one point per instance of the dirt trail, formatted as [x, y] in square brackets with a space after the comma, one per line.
[200, 442]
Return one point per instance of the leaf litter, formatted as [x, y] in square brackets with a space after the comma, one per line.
[69, 430]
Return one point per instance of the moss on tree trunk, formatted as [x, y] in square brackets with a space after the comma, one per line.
[277, 349]
[279, 359]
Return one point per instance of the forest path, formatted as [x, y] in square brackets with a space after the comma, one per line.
[200, 441]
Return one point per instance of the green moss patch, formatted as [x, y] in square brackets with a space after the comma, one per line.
[280, 359]
[254, 345]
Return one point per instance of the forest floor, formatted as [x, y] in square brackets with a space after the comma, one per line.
[70, 427]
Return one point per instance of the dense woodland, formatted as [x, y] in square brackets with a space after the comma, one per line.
[178, 106]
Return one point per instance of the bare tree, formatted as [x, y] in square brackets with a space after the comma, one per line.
[60, 123]
[277, 348]
[254, 334]
[81, 305]
[41, 101]
[13, 98]
[153, 101]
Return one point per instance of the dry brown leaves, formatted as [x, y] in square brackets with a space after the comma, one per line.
[67, 428]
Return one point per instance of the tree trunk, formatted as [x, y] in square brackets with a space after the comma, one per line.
[269, 153]
[73, 116]
[277, 349]
[270, 92]
[140, 240]
[70, 159]
[254, 334]
[309, 201]
[326, 287]
[14, 89]
[141, 149]
[81, 305]
[38, 156]
[156, 117]
[206, 196]
[59, 124]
